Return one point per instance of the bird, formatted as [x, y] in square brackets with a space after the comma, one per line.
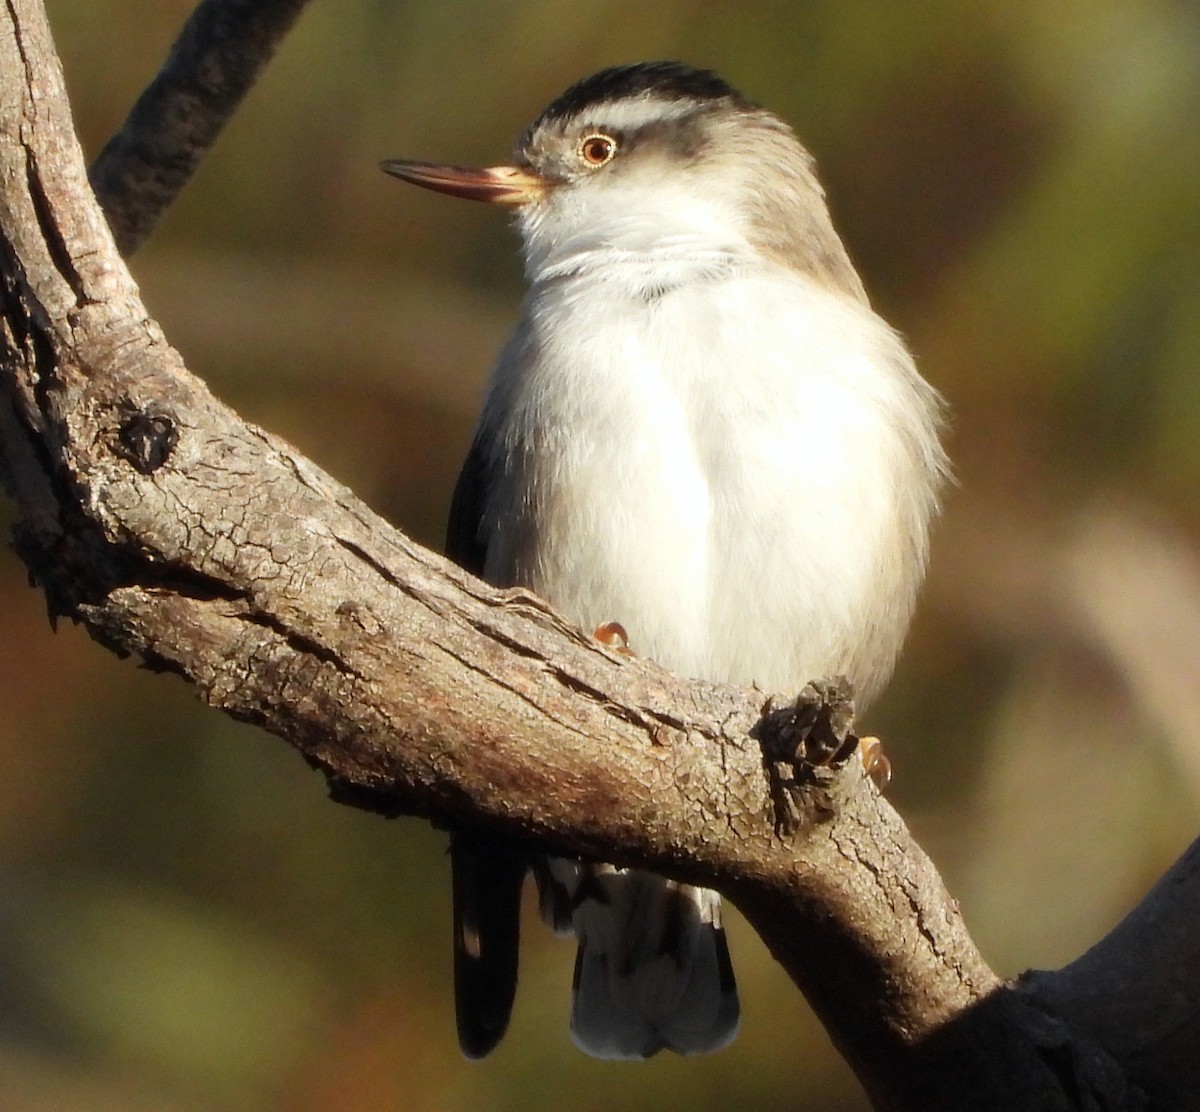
[701, 430]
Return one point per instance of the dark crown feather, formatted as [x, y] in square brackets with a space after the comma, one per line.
[669, 80]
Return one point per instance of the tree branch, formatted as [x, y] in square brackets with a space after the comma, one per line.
[209, 548]
[213, 64]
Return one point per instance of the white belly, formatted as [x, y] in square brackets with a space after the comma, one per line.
[741, 472]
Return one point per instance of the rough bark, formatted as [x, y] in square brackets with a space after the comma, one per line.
[209, 548]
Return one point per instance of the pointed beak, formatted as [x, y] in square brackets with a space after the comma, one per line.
[501, 185]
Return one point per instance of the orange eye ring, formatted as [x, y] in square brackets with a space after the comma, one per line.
[597, 149]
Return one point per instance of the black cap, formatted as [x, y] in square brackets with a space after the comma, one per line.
[671, 80]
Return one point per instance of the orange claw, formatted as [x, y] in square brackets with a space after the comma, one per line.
[875, 762]
[612, 635]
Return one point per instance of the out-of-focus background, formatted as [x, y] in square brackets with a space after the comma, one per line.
[186, 923]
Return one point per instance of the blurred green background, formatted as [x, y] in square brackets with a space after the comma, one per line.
[187, 923]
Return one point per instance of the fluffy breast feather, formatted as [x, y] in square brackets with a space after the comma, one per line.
[735, 462]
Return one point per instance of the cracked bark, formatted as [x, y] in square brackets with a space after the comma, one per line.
[211, 549]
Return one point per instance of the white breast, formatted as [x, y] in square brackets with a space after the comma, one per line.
[735, 463]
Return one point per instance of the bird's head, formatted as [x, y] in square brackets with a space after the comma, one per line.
[654, 155]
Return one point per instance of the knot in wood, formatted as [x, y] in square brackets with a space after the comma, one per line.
[145, 440]
[804, 743]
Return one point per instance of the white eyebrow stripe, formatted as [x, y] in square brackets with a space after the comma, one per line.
[634, 113]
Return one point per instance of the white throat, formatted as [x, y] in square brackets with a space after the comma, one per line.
[647, 237]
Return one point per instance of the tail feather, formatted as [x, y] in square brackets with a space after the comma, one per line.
[653, 969]
[487, 882]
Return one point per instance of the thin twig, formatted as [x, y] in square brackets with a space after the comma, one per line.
[213, 64]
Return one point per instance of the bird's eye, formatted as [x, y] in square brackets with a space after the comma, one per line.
[597, 149]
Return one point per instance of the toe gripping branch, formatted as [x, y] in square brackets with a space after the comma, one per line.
[805, 743]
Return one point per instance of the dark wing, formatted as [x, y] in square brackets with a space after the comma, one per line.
[488, 872]
[463, 543]
[488, 876]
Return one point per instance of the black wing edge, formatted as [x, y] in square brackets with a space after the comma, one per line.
[487, 883]
[463, 543]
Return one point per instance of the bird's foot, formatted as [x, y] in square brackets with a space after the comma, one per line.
[612, 635]
[875, 761]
